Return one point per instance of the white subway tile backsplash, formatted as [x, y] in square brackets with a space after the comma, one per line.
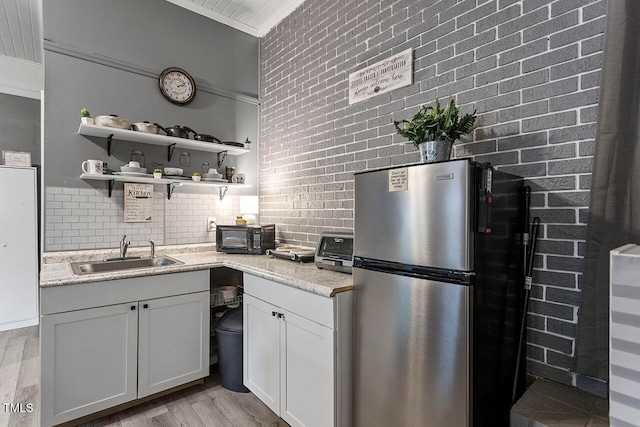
[87, 218]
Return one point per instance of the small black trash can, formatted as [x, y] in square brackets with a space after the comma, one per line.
[229, 337]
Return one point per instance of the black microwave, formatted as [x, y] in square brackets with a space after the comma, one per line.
[245, 239]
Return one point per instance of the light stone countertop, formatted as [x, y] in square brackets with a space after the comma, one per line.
[56, 269]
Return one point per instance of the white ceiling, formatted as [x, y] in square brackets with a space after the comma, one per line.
[21, 70]
[21, 29]
[21, 21]
[255, 17]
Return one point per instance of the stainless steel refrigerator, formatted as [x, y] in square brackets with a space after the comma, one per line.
[436, 284]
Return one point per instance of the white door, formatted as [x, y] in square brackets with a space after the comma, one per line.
[261, 358]
[174, 342]
[88, 360]
[18, 248]
[307, 372]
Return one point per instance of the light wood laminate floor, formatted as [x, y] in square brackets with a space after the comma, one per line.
[202, 405]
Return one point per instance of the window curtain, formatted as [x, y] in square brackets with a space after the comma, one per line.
[614, 207]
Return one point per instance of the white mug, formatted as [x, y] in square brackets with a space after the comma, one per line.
[133, 164]
[238, 178]
[92, 166]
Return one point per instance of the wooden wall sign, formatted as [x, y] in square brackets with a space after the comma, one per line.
[384, 76]
[16, 158]
[138, 202]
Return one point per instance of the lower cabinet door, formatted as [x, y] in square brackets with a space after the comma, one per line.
[173, 342]
[307, 373]
[261, 355]
[88, 361]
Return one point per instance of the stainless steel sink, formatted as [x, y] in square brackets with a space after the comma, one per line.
[83, 267]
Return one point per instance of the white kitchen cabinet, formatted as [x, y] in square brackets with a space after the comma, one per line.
[173, 340]
[307, 397]
[18, 248]
[297, 352]
[89, 360]
[107, 343]
[261, 358]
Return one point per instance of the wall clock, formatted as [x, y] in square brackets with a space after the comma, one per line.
[177, 85]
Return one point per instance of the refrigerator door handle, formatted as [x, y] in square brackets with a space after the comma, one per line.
[465, 278]
[485, 199]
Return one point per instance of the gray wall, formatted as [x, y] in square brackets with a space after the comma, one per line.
[530, 68]
[20, 125]
[106, 56]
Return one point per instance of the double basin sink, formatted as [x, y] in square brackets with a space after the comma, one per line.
[82, 268]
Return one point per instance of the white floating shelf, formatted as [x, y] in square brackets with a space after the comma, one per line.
[125, 178]
[171, 183]
[162, 140]
[151, 180]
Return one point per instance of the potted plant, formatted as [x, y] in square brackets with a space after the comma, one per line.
[196, 176]
[157, 173]
[433, 130]
[85, 116]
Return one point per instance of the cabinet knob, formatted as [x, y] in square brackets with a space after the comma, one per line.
[273, 313]
[145, 306]
[133, 307]
[280, 315]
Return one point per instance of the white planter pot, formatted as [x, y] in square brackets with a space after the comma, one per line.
[87, 120]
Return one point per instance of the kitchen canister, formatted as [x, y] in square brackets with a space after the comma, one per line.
[185, 159]
[137, 156]
[229, 171]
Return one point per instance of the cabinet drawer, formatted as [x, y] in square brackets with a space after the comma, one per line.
[306, 304]
[58, 299]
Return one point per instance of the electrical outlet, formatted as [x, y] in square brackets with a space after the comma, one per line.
[211, 224]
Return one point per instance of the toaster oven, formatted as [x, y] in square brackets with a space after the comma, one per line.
[335, 251]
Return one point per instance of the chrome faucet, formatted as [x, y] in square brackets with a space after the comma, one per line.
[124, 245]
[153, 248]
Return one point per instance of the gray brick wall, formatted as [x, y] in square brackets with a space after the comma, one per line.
[531, 68]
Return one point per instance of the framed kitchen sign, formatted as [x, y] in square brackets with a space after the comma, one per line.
[138, 202]
[384, 76]
[16, 158]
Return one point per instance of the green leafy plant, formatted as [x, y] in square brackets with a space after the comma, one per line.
[196, 174]
[157, 171]
[435, 123]
[85, 113]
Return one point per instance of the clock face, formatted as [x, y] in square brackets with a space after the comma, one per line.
[177, 85]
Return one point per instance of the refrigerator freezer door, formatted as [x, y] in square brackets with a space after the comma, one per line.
[427, 220]
[412, 347]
